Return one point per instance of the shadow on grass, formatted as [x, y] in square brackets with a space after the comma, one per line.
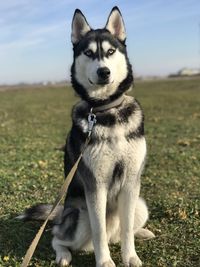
[16, 236]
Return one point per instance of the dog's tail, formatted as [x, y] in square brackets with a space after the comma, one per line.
[40, 212]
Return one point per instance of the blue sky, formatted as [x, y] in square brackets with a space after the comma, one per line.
[162, 36]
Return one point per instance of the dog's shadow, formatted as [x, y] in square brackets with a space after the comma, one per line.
[16, 237]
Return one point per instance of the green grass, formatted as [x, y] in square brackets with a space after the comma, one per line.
[34, 122]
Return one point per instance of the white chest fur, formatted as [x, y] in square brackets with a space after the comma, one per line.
[102, 156]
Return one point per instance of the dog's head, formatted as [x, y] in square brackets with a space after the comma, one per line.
[101, 71]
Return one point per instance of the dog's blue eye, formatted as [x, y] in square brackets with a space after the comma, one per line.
[88, 53]
[110, 52]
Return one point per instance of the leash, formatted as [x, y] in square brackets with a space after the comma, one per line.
[61, 194]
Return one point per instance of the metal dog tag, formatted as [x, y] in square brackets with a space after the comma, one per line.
[91, 121]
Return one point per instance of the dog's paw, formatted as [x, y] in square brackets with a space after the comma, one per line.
[144, 234]
[108, 263]
[134, 262]
[63, 259]
[64, 263]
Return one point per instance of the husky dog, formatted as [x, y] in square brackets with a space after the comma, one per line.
[103, 204]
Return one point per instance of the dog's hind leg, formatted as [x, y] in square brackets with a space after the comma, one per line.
[71, 233]
[141, 217]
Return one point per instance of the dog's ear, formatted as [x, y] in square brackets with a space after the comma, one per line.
[80, 26]
[115, 24]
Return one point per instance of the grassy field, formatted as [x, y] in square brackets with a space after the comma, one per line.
[34, 122]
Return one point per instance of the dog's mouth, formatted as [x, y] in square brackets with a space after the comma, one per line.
[100, 82]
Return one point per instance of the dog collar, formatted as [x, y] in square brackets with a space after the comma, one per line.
[113, 104]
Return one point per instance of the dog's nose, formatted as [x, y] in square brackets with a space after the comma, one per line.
[103, 73]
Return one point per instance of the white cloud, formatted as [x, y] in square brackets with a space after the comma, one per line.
[19, 44]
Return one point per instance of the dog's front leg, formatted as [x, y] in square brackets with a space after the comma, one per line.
[96, 203]
[127, 202]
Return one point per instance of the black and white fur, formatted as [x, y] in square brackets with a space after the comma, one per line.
[103, 204]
